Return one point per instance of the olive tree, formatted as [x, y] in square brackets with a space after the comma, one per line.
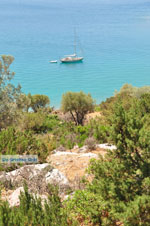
[133, 90]
[39, 102]
[24, 102]
[78, 104]
[8, 92]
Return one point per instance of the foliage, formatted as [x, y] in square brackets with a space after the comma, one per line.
[82, 134]
[85, 208]
[100, 130]
[119, 193]
[38, 122]
[24, 102]
[134, 91]
[121, 183]
[91, 143]
[78, 104]
[97, 108]
[33, 122]
[145, 103]
[8, 93]
[52, 122]
[32, 212]
[49, 141]
[16, 142]
[65, 135]
[39, 102]
[107, 107]
[5, 73]
[69, 135]
[127, 94]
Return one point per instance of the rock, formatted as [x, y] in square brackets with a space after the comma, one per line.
[74, 163]
[64, 169]
[71, 164]
[2, 177]
[13, 199]
[107, 146]
[37, 178]
[91, 155]
[64, 153]
[83, 149]
[58, 178]
[13, 196]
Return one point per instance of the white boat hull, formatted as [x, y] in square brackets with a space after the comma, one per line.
[53, 61]
[71, 59]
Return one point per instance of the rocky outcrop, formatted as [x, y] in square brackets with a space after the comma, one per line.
[73, 163]
[63, 168]
[13, 196]
[37, 177]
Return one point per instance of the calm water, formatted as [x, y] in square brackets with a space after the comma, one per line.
[115, 37]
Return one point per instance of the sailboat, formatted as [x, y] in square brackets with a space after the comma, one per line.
[73, 58]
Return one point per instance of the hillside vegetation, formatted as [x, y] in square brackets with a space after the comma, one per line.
[119, 193]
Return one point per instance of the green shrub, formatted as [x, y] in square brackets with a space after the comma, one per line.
[39, 122]
[83, 133]
[32, 212]
[120, 190]
[15, 142]
[85, 207]
[101, 133]
[51, 122]
[33, 122]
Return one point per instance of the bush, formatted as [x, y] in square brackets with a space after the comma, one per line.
[33, 122]
[15, 142]
[32, 212]
[134, 91]
[83, 133]
[84, 208]
[51, 122]
[39, 122]
[91, 143]
[101, 133]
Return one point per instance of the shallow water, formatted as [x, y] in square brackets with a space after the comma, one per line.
[114, 36]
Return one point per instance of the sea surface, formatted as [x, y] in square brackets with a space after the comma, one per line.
[113, 36]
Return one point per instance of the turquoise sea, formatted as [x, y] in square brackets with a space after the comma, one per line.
[114, 35]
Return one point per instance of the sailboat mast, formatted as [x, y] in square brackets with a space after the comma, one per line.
[75, 42]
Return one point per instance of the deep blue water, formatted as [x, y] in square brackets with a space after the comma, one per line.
[114, 35]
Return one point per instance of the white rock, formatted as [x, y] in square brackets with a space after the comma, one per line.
[107, 146]
[89, 155]
[13, 173]
[13, 199]
[41, 166]
[30, 168]
[64, 153]
[83, 149]
[55, 176]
